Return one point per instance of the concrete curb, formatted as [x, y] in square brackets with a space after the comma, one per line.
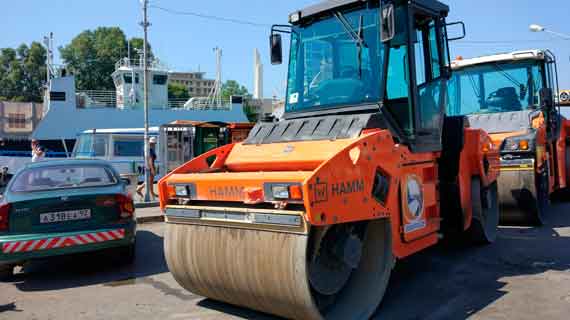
[150, 219]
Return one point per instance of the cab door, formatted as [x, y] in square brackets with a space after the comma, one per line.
[415, 99]
[429, 56]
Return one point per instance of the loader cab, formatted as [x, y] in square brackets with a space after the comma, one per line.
[385, 57]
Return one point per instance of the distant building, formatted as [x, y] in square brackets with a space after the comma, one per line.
[19, 119]
[197, 85]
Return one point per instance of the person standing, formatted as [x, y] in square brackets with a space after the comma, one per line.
[38, 152]
[151, 164]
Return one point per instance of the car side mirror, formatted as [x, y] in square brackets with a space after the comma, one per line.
[126, 181]
[546, 101]
[387, 23]
[276, 49]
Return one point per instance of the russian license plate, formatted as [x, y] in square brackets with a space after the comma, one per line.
[71, 215]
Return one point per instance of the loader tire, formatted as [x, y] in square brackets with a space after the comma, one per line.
[485, 208]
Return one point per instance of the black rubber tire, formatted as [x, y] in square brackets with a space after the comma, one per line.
[536, 217]
[567, 165]
[6, 272]
[485, 208]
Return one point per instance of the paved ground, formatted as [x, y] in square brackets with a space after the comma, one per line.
[525, 275]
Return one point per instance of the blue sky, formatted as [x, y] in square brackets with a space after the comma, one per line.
[186, 43]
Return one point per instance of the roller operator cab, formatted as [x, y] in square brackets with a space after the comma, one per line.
[306, 218]
[512, 97]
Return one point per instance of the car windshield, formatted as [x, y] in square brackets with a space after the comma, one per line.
[335, 62]
[495, 87]
[91, 145]
[62, 177]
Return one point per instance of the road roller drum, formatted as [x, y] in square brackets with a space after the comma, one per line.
[270, 271]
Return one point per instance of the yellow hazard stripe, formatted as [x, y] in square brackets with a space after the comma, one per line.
[518, 168]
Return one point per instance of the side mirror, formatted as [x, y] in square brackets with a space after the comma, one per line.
[546, 101]
[387, 23]
[460, 35]
[276, 50]
[126, 181]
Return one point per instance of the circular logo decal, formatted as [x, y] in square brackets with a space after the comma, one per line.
[414, 198]
[564, 96]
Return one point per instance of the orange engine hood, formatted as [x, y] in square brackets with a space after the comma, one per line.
[498, 138]
[291, 156]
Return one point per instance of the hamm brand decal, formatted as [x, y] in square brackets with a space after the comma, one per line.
[347, 187]
[226, 192]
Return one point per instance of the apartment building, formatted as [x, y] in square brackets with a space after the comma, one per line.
[197, 84]
[19, 119]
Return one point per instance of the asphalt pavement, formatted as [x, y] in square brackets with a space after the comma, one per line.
[525, 275]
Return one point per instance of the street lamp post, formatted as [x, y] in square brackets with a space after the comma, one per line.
[145, 24]
[539, 28]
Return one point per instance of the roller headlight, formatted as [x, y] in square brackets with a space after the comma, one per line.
[182, 191]
[519, 144]
[280, 192]
[283, 191]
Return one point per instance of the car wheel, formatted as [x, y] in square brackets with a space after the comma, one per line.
[6, 272]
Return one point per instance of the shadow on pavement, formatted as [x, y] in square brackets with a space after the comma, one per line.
[233, 310]
[10, 307]
[455, 282]
[93, 268]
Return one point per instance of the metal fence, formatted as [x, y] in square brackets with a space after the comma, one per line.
[96, 98]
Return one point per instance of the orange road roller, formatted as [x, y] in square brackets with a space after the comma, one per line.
[306, 218]
[512, 97]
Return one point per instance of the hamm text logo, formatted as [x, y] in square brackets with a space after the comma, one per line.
[347, 187]
[226, 192]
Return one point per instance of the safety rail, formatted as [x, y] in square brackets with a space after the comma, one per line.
[28, 154]
[96, 98]
[138, 63]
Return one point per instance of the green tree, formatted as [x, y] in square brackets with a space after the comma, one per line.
[233, 88]
[178, 91]
[136, 45]
[91, 56]
[22, 73]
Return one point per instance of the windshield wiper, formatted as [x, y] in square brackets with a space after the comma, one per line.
[358, 37]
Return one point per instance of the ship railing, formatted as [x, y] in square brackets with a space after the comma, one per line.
[205, 103]
[138, 63]
[28, 154]
[96, 99]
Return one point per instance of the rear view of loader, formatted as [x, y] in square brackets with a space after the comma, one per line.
[306, 218]
[511, 96]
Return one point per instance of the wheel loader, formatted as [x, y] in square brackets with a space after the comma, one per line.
[306, 218]
[512, 97]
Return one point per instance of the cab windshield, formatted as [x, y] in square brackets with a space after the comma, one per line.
[336, 61]
[91, 145]
[495, 87]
